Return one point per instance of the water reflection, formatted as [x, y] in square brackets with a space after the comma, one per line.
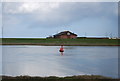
[47, 60]
[0, 60]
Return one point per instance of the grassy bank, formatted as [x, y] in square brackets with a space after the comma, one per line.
[54, 78]
[56, 42]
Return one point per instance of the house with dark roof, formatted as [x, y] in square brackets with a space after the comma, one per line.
[65, 35]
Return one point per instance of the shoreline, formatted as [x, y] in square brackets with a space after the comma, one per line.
[54, 77]
[57, 44]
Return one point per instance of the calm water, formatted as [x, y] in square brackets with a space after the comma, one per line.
[47, 61]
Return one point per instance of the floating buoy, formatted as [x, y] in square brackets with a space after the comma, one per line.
[61, 49]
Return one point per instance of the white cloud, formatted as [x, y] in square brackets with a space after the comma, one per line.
[60, 0]
[48, 7]
[30, 7]
[0, 20]
[41, 7]
[55, 14]
[27, 17]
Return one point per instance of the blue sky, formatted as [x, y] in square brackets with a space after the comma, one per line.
[41, 19]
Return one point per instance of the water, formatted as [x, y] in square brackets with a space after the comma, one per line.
[47, 61]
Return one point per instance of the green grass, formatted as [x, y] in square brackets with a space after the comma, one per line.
[54, 78]
[44, 41]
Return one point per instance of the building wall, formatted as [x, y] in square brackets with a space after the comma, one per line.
[66, 36]
[73, 36]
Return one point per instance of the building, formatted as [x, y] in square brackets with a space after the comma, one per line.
[65, 35]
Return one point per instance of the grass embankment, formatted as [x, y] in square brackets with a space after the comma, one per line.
[54, 78]
[56, 42]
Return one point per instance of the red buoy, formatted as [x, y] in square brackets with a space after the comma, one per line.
[61, 49]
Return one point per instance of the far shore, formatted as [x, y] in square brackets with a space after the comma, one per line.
[58, 42]
[52, 44]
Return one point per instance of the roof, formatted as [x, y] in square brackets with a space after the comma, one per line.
[65, 33]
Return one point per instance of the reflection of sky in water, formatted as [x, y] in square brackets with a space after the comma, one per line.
[0, 59]
[47, 61]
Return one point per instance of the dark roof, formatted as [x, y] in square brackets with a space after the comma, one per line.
[65, 33]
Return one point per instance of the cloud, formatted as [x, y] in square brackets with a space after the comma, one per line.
[28, 16]
[0, 19]
[60, 0]
[56, 14]
[22, 8]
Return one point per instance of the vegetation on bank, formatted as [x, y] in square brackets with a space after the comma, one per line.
[54, 42]
[54, 78]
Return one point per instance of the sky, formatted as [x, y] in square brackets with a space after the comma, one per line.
[42, 19]
[0, 20]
